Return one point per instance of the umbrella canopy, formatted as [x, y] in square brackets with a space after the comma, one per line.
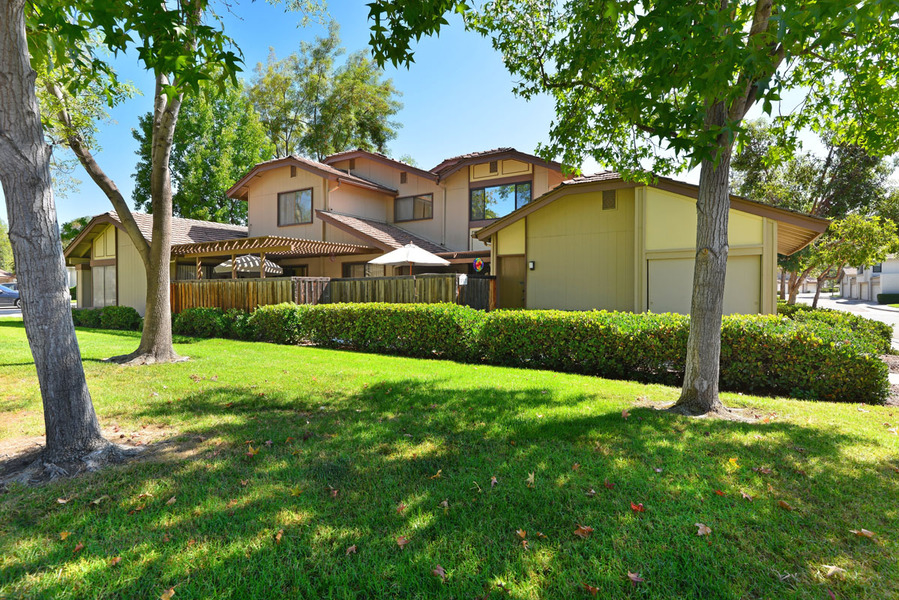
[410, 254]
[248, 263]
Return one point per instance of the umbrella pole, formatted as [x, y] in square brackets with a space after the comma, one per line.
[414, 284]
[233, 266]
[262, 265]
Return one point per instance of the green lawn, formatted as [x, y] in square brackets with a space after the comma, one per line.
[356, 450]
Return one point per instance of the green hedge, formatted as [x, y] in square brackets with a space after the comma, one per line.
[888, 298]
[821, 357]
[879, 335]
[108, 317]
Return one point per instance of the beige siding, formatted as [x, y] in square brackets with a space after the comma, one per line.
[504, 168]
[132, 277]
[104, 244]
[263, 203]
[583, 254]
[510, 240]
[457, 211]
[671, 223]
[360, 202]
[671, 285]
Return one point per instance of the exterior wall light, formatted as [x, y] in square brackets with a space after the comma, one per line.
[532, 265]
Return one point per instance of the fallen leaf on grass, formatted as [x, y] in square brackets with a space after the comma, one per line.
[97, 501]
[540, 535]
[439, 571]
[625, 413]
[401, 542]
[831, 595]
[166, 538]
[832, 570]
[351, 550]
[115, 560]
[637, 507]
[658, 469]
[144, 495]
[521, 533]
[438, 474]
[703, 529]
[895, 468]
[583, 531]
[530, 480]
[334, 492]
[576, 467]
[244, 482]
[524, 544]
[734, 462]
[167, 595]
[863, 533]
[719, 492]
[63, 500]
[762, 470]
[78, 548]
[445, 504]
[296, 491]
[493, 481]
[64, 534]
[591, 492]
[608, 485]
[251, 451]
[634, 578]
[745, 496]
[278, 536]
[170, 501]
[784, 505]
[401, 507]
[590, 589]
[137, 510]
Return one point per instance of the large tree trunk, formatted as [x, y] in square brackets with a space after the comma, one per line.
[700, 391]
[156, 338]
[818, 286]
[72, 428]
[782, 294]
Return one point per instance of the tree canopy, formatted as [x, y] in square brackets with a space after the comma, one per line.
[218, 139]
[311, 106]
[656, 86]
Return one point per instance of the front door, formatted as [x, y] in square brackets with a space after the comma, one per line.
[511, 281]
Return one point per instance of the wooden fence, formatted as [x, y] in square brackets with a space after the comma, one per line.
[247, 294]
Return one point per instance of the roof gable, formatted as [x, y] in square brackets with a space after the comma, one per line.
[239, 189]
[451, 165]
[379, 158]
[797, 229]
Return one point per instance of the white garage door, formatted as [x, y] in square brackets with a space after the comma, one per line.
[671, 285]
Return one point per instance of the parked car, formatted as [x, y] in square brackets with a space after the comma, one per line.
[13, 285]
[9, 297]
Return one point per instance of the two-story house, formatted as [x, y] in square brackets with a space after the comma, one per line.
[327, 219]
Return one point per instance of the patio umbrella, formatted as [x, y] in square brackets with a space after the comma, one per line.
[248, 263]
[411, 254]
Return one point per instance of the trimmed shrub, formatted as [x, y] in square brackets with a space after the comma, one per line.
[879, 335]
[73, 293]
[820, 355]
[86, 317]
[120, 317]
[200, 322]
[888, 298]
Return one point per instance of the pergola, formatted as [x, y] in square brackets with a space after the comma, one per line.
[267, 245]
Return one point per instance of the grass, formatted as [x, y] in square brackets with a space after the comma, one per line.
[387, 432]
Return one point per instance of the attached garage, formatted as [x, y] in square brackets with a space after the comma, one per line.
[600, 242]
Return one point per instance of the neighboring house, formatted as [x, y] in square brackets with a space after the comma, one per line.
[109, 271]
[599, 242]
[328, 219]
[866, 282]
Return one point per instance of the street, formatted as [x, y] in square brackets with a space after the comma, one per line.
[869, 310]
[10, 311]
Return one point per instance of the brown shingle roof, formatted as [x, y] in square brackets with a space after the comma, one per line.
[382, 158]
[186, 231]
[382, 235]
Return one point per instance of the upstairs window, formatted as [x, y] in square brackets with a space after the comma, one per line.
[295, 208]
[413, 208]
[499, 200]
[877, 268]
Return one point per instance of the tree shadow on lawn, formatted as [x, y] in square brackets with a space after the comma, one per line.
[418, 443]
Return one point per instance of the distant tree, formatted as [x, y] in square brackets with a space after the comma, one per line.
[6, 260]
[312, 107]
[848, 180]
[218, 139]
[853, 240]
[663, 85]
[70, 229]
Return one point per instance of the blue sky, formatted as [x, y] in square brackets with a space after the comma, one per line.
[457, 96]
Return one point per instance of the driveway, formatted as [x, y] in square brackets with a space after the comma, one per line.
[10, 311]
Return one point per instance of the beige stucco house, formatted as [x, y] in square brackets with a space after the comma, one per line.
[328, 219]
[600, 242]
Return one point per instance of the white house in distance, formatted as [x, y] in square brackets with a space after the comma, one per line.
[864, 283]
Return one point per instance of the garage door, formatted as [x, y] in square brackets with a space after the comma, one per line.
[671, 285]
